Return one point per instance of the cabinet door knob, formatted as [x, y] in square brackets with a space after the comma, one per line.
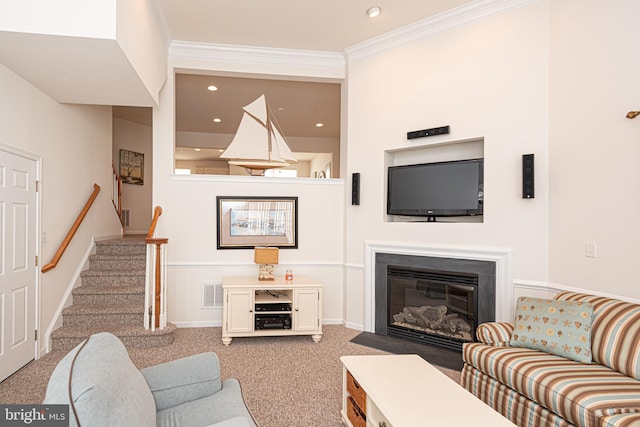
[382, 424]
[250, 311]
[296, 309]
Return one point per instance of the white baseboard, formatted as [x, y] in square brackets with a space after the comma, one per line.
[352, 325]
[218, 323]
[198, 324]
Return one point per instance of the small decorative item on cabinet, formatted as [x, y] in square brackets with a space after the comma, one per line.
[265, 257]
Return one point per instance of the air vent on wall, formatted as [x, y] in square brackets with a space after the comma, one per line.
[211, 294]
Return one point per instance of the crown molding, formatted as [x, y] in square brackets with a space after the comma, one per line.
[332, 62]
[161, 21]
[441, 22]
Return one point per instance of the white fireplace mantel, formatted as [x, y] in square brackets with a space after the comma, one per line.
[503, 258]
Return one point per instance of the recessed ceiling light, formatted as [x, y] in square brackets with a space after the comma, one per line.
[217, 120]
[212, 88]
[319, 125]
[196, 149]
[220, 150]
[372, 12]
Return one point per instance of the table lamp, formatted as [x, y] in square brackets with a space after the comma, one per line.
[265, 257]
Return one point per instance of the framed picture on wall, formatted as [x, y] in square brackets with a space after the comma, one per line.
[247, 222]
[132, 167]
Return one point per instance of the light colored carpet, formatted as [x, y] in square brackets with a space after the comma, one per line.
[286, 381]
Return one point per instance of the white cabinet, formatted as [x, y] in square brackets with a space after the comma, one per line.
[240, 319]
[253, 307]
[306, 303]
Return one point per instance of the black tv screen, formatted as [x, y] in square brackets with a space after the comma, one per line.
[452, 188]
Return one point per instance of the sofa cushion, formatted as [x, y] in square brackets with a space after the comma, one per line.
[615, 332]
[107, 389]
[620, 420]
[558, 327]
[580, 393]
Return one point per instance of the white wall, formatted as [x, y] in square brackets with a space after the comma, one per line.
[189, 221]
[486, 79]
[73, 143]
[135, 137]
[594, 149]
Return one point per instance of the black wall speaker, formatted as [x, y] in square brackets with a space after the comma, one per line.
[355, 188]
[528, 184]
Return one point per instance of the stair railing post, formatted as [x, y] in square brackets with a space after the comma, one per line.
[158, 286]
[156, 280]
[163, 293]
[148, 285]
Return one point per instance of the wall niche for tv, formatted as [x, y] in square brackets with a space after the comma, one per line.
[454, 159]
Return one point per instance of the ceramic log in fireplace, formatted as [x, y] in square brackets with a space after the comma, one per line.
[433, 301]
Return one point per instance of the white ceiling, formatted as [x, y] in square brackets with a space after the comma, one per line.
[329, 26]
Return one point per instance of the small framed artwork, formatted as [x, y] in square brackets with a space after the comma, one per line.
[247, 222]
[132, 167]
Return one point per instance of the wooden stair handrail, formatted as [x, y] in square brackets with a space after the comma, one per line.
[72, 231]
[156, 214]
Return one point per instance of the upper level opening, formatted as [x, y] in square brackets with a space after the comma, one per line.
[209, 109]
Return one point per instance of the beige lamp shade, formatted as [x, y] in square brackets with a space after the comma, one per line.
[265, 255]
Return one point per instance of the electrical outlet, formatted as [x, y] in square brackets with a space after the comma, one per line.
[590, 250]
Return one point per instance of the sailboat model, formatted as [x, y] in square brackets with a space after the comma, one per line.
[258, 144]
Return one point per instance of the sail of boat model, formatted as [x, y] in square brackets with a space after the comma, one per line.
[279, 147]
[257, 142]
[248, 142]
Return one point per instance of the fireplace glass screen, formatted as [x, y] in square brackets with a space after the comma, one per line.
[432, 306]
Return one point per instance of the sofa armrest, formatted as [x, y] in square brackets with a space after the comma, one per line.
[183, 380]
[496, 334]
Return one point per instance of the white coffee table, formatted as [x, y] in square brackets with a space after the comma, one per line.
[406, 391]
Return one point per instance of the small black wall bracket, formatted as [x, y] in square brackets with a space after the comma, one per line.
[442, 130]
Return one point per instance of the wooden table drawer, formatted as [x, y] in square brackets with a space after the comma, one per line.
[355, 415]
[358, 394]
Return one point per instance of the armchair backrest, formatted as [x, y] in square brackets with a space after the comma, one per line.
[100, 381]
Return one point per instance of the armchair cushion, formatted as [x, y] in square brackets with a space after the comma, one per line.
[183, 380]
[224, 406]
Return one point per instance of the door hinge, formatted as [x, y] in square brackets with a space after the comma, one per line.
[36, 260]
[37, 186]
[36, 335]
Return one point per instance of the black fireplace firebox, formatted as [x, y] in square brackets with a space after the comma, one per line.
[433, 301]
[434, 306]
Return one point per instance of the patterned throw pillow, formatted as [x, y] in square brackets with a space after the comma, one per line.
[558, 327]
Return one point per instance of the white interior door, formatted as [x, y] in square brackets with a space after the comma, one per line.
[18, 205]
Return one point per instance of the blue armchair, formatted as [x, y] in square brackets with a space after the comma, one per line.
[104, 388]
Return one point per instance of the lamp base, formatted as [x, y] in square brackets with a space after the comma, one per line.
[265, 272]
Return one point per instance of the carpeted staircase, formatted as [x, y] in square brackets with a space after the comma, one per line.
[111, 298]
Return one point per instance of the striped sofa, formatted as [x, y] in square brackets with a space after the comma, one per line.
[534, 388]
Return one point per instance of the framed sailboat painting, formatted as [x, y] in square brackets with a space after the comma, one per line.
[247, 222]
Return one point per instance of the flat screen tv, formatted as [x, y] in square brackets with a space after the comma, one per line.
[453, 188]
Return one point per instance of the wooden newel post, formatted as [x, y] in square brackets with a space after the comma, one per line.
[158, 276]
